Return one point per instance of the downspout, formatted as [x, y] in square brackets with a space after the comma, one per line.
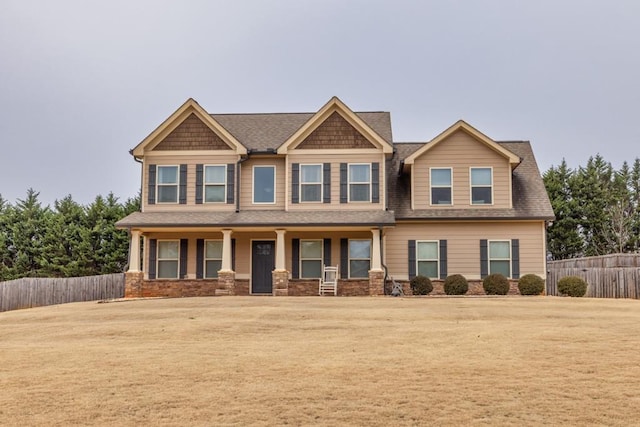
[386, 270]
[240, 160]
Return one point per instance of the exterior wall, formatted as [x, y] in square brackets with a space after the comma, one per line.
[461, 152]
[463, 245]
[246, 183]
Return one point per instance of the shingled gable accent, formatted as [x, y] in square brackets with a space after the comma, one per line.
[170, 134]
[332, 123]
[461, 125]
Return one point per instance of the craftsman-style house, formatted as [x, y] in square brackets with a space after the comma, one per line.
[245, 204]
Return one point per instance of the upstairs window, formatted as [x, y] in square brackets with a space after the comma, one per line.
[481, 186]
[441, 186]
[427, 258]
[359, 182]
[264, 183]
[212, 258]
[500, 257]
[311, 183]
[167, 184]
[215, 184]
[311, 259]
[168, 256]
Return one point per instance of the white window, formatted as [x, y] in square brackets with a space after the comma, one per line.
[359, 182]
[441, 186]
[264, 184]
[427, 258]
[481, 186]
[311, 259]
[359, 258]
[167, 184]
[500, 257]
[212, 258]
[215, 184]
[168, 259]
[310, 183]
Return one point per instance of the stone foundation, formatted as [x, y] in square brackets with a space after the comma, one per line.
[133, 285]
[280, 282]
[376, 282]
[178, 288]
[309, 287]
[475, 287]
[226, 283]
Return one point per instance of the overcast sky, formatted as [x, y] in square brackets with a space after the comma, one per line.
[82, 82]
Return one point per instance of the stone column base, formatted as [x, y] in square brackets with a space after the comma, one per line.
[133, 284]
[376, 282]
[226, 283]
[280, 282]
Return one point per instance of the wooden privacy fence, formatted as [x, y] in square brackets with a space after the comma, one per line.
[35, 292]
[608, 276]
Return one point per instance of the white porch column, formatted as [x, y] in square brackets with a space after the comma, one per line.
[134, 252]
[226, 250]
[280, 258]
[376, 262]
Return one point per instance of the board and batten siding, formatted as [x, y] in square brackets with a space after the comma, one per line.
[246, 183]
[463, 245]
[460, 152]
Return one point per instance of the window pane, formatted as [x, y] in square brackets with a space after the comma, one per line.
[481, 176]
[167, 174]
[359, 192]
[359, 173]
[428, 269]
[310, 173]
[214, 193]
[263, 184]
[311, 248]
[311, 192]
[311, 269]
[502, 267]
[213, 249]
[441, 177]
[499, 250]
[211, 268]
[440, 196]
[167, 269]
[481, 195]
[358, 268]
[168, 250]
[215, 174]
[427, 250]
[167, 193]
[359, 249]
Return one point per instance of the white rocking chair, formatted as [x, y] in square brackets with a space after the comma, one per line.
[329, 280]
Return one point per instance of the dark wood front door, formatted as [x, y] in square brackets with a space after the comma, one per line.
[263, 262]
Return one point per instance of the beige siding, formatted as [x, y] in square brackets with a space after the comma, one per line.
[461, 152]
[463, 245]
[246, 183]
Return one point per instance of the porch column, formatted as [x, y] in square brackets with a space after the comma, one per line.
[134, 252]
[280, 275]
[280, 263]
[226, 251]
[376, 274]
[376, 262]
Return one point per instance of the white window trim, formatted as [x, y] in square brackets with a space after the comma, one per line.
[349, 259]
[158, 185]
[205, 259]
[471, 186]
[321, 259]
[204, 184]
[437, 260]
[253, 181]
[158, 259]
[510, 259]
[321, 183]
[431, 186]
[358, 182]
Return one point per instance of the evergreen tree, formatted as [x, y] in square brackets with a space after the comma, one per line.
[6, 260]
[110, 246]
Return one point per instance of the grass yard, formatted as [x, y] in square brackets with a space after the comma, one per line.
[323, 361]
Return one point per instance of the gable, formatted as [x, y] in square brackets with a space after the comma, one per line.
[192, 134]
[335, 132]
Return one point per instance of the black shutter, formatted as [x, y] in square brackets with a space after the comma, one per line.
[199, 258]
[233, 254]
[184, 243]
[153, 247]
[231, 187]
[412, 259]
[326, 182]
[151, 197]
[183, 184]
[344, 258]
[343, 183]
[443, 259]
[295, 258]
[375, 182]
[515, 258]
[327, 251]
[295, 183]
[199, 180]
[484, 259]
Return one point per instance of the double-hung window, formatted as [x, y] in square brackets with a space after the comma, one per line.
[212, 258]
[264, 184]
[441, 186]
[427, 258]
[500, 257]
[359, 182]
[359, 258]
[311, 259]
[215, 184]
[481, 186]
[310, 183]
[167, 184]
[168, 259]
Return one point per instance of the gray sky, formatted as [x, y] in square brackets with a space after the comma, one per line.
[82, 82]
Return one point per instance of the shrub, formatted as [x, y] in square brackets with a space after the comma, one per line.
[496, 284]
[456, 284]
[572, 286]
[421, 285]
[530, 284]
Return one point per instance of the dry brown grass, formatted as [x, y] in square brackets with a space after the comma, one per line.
[326, 361]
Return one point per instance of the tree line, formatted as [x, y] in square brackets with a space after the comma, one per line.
[67, 240]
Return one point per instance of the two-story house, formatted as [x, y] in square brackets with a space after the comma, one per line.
[245, 204]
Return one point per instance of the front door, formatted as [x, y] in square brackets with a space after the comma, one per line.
[263, 262]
